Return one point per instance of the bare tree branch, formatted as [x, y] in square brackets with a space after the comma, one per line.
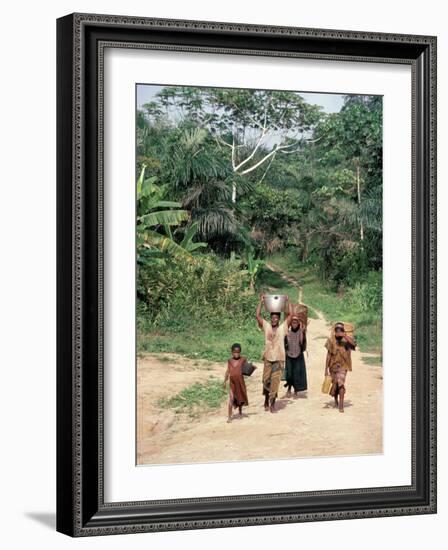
[254, 151]
[233, 153]
[267, 168]
[260, 162]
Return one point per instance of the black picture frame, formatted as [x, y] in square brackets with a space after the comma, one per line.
[81, 510]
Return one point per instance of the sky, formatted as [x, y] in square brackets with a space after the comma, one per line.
[331, 103]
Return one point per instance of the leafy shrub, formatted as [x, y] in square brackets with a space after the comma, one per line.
[367, 296]
[342, 264]
[212, 289]
[270, 212]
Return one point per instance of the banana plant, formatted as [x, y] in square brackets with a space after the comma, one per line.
[253, 266]
[187, 242]
[153, 244]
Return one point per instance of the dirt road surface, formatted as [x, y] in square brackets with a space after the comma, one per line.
[305, 426]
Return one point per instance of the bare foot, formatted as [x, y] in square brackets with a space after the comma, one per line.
[288, 393]
[229, 419]
[341, 410]
[272, 409]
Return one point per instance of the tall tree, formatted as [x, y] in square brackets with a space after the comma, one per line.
[354, 137]
[252, 125]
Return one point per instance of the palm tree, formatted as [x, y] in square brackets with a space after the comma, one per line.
[201, 177]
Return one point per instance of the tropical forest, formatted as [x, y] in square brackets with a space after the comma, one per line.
[242, 192]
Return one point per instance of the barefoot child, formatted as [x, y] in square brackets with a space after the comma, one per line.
[237, 386]
[339, 348]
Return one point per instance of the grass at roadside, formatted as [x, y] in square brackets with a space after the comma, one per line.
[368, 325]
[204, 342]
[197, 397]
[212, 342]
[374, 360]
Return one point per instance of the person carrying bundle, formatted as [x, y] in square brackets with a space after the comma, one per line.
[295, 345]
[339, 361]
[274, 353]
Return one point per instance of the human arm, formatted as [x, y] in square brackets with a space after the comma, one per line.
[226, 376]
[328, 359]
[350, 341]
[327, 364]
[258, 312]
[289, 312]
[303, 337]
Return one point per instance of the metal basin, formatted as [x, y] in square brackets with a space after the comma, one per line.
[275, 302]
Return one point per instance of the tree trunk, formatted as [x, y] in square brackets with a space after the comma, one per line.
[358, 187]
[304, 255]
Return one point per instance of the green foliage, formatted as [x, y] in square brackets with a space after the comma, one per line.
[271, 213]
[336, 306]
[324, 199]
[152, 243]
[368, 295]
[253, 267]
[201, 179]
[211, 288]
[203, 340]
[342, 264]
[155, 246]
[187, 242]
[226, 174]
[354, 133]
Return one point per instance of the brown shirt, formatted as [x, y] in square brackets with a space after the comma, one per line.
[274, 347]
[340, 354]
[295, 342]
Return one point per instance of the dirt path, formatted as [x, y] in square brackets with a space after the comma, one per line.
[305, 426]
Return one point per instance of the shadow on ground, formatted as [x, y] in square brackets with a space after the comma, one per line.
[48, 519]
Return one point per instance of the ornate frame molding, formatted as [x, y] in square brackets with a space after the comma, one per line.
[81, 42]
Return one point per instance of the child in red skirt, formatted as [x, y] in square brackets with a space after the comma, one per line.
[237, 386]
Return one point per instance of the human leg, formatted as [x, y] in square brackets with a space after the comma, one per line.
[288, 376]
[341, 398]
[266, 383]
[276, 374]
[230, 407]
[341, 375]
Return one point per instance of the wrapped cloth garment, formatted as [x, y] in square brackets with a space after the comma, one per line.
[238, 392]
[340, 353]
[272, 374]
[338, 375]
[295, 373]
[340, 362]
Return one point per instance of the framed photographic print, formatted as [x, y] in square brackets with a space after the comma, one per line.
[246, 274]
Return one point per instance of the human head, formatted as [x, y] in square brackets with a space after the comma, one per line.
[275, 318]
[295, 322]
[339, 331]
[236, 351]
